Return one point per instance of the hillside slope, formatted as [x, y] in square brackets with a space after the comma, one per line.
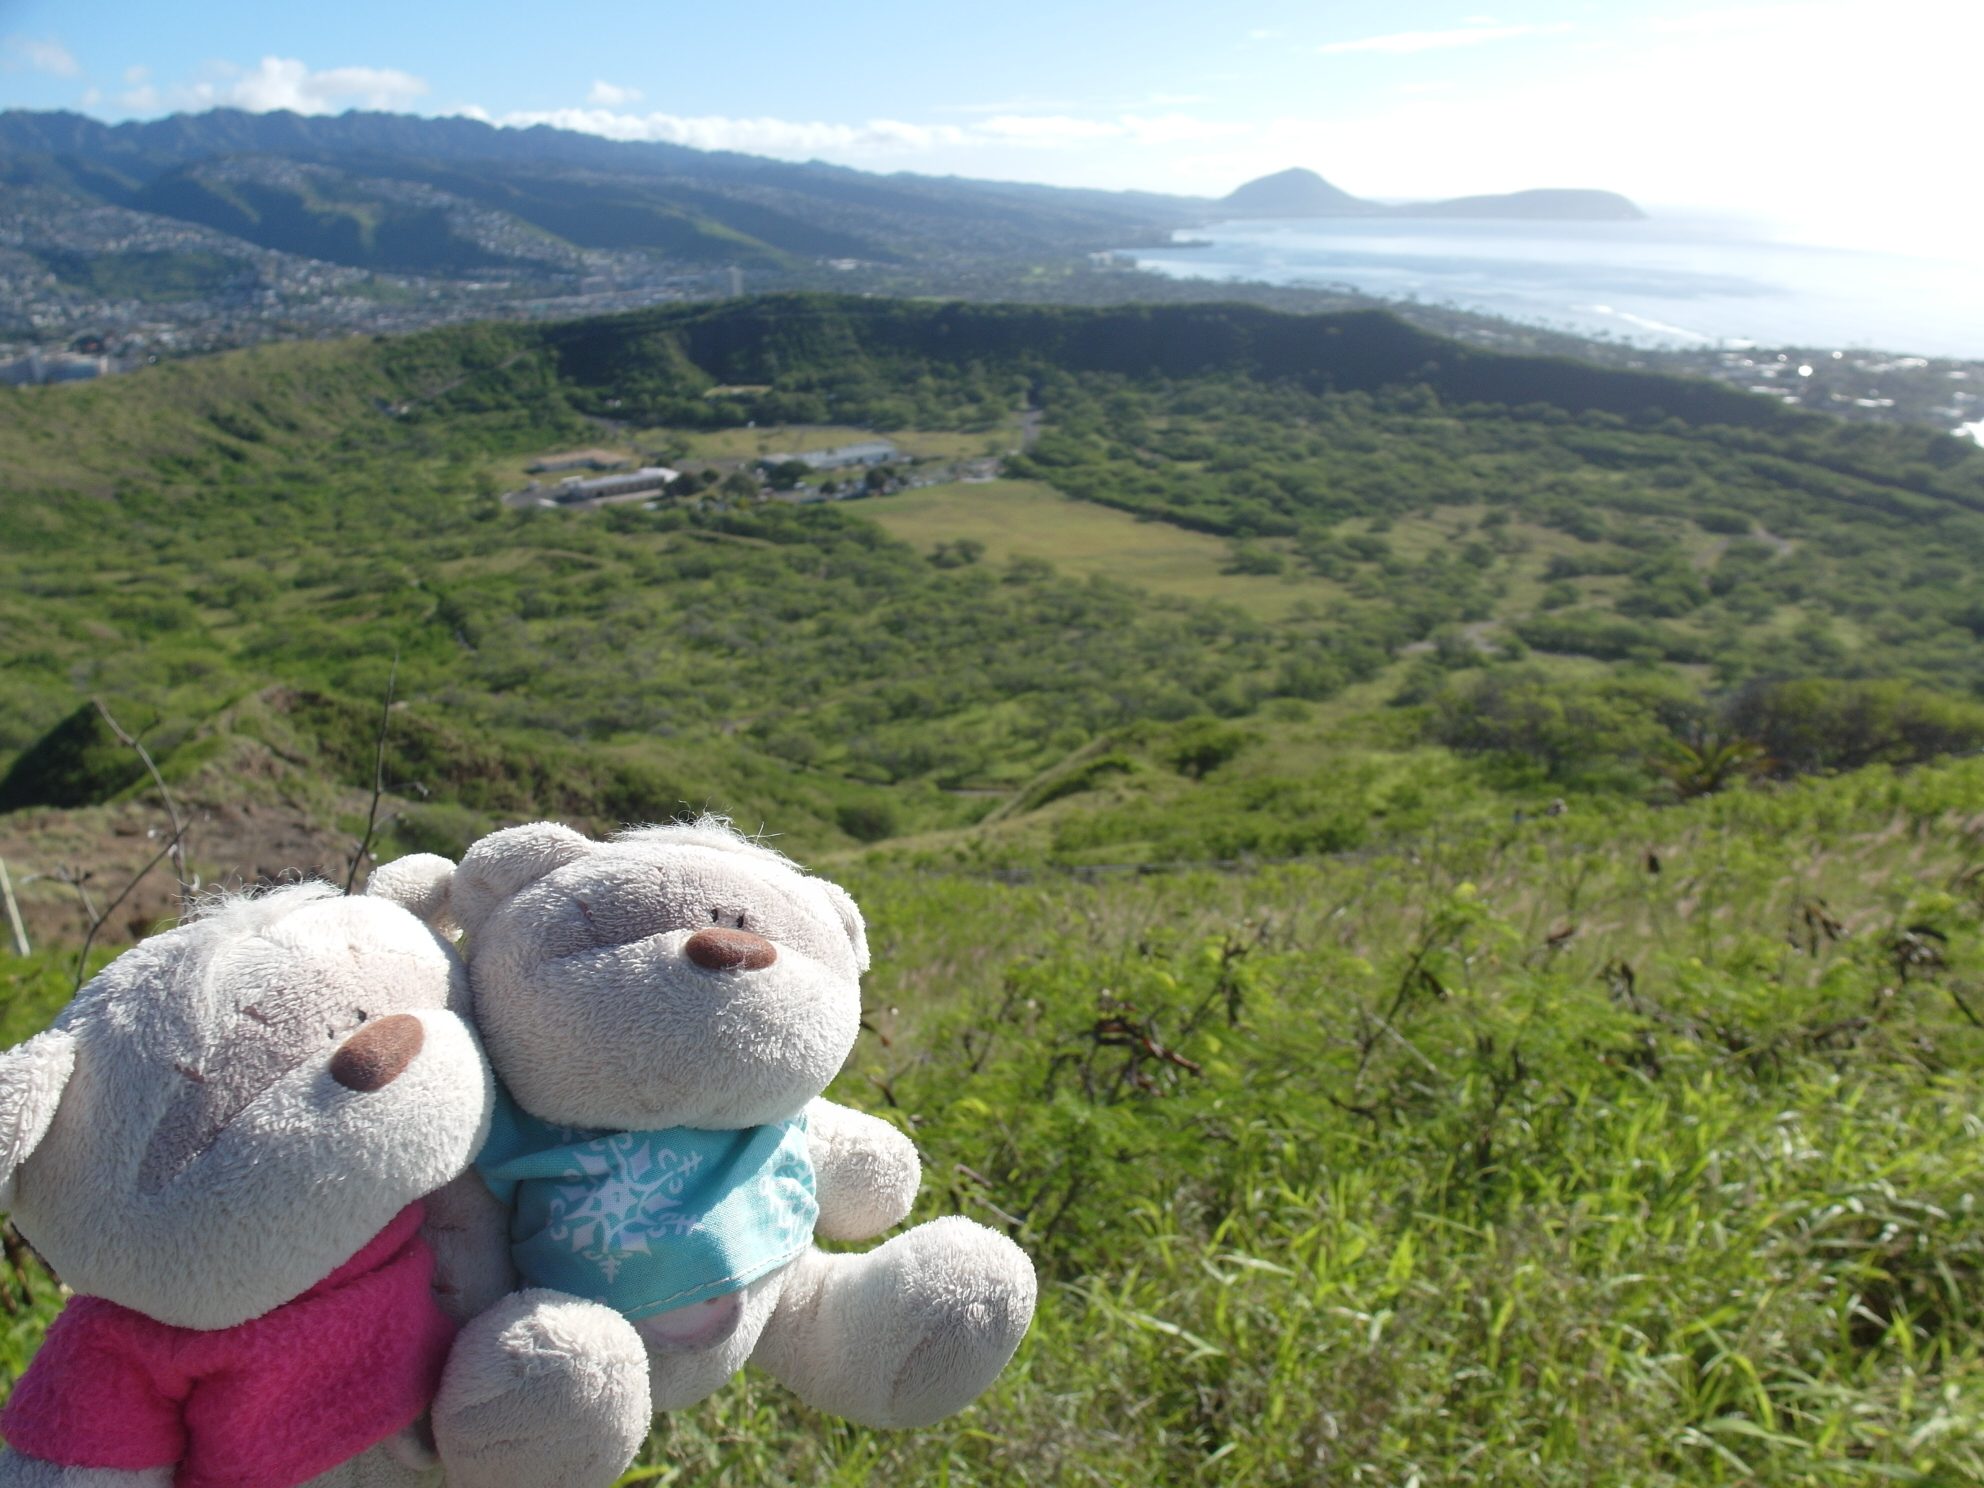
[1366, 515]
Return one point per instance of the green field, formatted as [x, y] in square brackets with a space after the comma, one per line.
[1029, 520]
[792, 439]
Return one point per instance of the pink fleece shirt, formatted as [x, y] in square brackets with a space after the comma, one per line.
[269, 1403]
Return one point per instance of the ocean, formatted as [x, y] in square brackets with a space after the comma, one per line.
[1656, 282]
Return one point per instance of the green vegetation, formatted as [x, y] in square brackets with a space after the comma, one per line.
[156, 276]
[1231, 514]
[1429, 515]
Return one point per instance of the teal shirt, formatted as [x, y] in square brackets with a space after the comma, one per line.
[648, 1221]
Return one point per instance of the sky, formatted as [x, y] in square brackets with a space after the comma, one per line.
[1833, 123]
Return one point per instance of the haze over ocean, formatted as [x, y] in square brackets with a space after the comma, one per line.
[1674, 282]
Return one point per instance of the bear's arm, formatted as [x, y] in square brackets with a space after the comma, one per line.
[867, 1172]
[469, 1232]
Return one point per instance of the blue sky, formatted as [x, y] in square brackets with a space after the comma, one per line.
[1840, 122]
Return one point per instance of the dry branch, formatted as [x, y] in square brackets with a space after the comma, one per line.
[171, 848]
[186, 886]
[378, 776]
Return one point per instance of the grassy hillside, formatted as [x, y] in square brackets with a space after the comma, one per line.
[1276, 523]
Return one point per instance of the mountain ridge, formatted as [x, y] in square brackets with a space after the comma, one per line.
[1299, 192]
[403, 193]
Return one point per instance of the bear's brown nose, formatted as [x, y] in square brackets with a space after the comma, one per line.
[723, 949]
[378, 1054]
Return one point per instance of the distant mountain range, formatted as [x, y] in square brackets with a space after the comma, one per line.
[454, 196]
[1303, 193]
[420, 195]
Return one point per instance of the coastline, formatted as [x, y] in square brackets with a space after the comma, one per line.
[1655, 282]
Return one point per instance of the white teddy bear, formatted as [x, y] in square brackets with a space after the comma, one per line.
[221, 1146]
[665, 1010]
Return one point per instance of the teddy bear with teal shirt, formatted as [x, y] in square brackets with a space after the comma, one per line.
[664, 1011]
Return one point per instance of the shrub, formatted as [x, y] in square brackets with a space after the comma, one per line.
[1818, 724]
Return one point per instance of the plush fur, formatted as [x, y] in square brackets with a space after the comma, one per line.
[685, 976]
[226, 1116]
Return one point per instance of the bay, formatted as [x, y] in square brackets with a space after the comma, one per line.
[1655, 282]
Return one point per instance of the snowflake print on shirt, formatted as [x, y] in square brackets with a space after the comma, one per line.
[637, 1197]
[650, 1221]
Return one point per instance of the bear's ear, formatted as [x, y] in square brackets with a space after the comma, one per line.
[850, 921]
[32, 1078]
[508, 862]
[418, 883]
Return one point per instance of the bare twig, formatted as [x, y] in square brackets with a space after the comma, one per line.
[13, 912]
[378, 775]
[78, 879]
[82, 960]
[186, 885]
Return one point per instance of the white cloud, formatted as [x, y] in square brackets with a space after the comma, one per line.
[610, 95]
[763, 136]
[41, 54]
[807, 139]
[276, 83]
[1402, 43]
[286, 83]
[92, 97]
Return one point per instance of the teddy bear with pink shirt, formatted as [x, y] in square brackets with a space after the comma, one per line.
[242, 1146]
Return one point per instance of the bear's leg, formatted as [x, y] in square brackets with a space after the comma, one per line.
[682, 1367]
[542, 1388]
[905, 1334]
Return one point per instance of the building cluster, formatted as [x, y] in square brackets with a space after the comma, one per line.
[242, 294]
[585, 459]
[582, 492]
[840, 457]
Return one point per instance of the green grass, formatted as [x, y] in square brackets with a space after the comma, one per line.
[1507, 1160]
[1030, 520]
